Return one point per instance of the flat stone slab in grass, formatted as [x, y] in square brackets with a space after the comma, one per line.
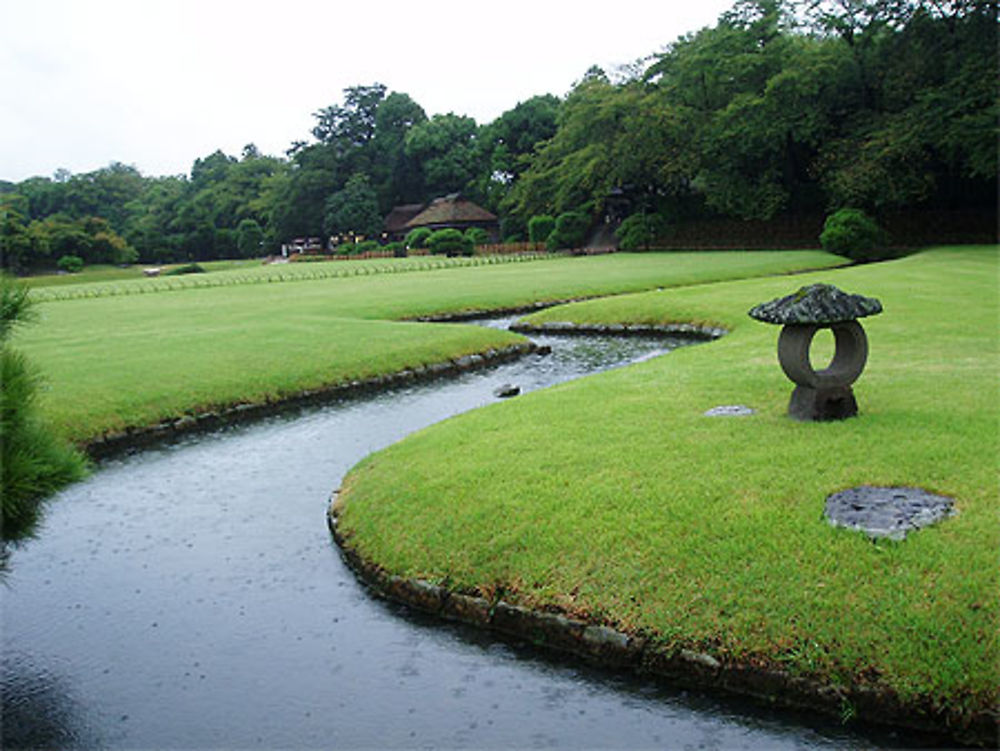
[729, 410]
[887, 512]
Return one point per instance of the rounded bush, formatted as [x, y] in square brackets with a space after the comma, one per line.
[417, 238]
[853, 234]
[71, 264]
[449, 242]
[640, 231]
[570, 231]
[364, 246]
[540, 227]
[477, 235]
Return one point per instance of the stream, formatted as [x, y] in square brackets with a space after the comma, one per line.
[190, 596]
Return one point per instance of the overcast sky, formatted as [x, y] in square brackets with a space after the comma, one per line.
[156, 83]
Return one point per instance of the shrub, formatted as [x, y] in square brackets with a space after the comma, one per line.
[540, 227]
[513, 229]
[249, 238]
[477, 236]
[364, 246]
[449, 242]
[187, 268]
[640, 231]
[70, 264]
[33, 463]
[570, 231]
[853, 234]
[417, 238]
[397, 249]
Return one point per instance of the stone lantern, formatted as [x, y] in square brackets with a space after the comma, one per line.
[820, 394]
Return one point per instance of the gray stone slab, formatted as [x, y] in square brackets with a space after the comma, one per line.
[889, 512]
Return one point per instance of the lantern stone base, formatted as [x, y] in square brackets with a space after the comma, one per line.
[817, 404]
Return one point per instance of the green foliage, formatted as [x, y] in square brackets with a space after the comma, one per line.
[477, 236]
[71, 264]
[640, 231]
[33, 463]
[446, 148]
[540, 227]
[853, 234]
[449, 242]
[398, 249]
[513, 229]
[417, 238]
[570, 231]
[16, 307]
[249, 238]
[353, 210]
[365, 246]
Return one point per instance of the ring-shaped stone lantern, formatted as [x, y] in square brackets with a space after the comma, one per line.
[820, 394]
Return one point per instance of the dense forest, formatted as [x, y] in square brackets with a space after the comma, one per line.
[783, 108]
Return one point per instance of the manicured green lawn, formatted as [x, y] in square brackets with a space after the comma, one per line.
[120, 360]
[106, 273]
[614, 497]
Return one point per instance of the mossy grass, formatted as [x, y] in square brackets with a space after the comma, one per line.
[117, 361]
[615, 498]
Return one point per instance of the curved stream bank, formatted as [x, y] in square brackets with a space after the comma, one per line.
[189, 596]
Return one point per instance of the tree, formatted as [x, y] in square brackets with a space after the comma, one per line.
[353, 210]
[396, 176]
[352, 124]
[33, 463]
[509, 142]
[445, 146]
[249, 238]
[15, 241]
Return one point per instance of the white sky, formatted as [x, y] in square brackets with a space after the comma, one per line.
[157, 83]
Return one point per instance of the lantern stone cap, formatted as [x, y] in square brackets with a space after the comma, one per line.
[816, 304]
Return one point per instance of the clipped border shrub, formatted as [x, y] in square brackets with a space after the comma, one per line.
[853, 234]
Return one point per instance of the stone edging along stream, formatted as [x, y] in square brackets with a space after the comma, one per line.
[608, 647]
[133, 438]
[139, 437]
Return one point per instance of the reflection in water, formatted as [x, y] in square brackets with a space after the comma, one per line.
[190, 596]
[37, 709]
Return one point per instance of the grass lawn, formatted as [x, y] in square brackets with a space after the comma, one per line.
[114, 359]
[105, 273]
[614, 497]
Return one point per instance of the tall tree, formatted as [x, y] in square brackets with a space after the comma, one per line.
[396, 176]
[353, 210]
[446, 148]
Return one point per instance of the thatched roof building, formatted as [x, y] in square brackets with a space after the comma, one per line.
[448, 212]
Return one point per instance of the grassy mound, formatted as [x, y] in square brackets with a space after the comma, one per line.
[614, 497]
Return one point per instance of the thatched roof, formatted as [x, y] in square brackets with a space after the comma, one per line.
[397, 219]
[451, 211]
